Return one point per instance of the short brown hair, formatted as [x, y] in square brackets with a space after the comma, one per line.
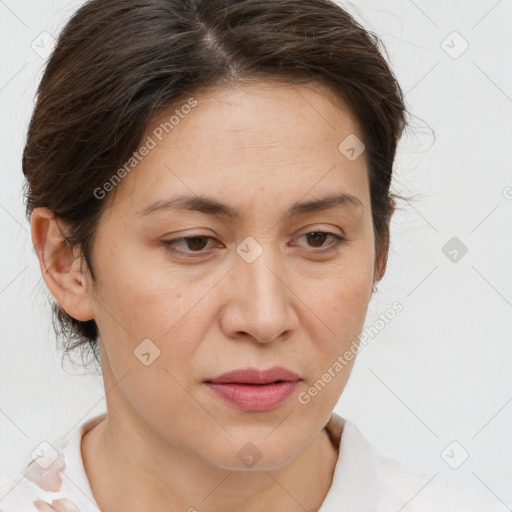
[117, 63]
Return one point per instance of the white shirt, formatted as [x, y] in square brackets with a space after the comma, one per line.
[363, 480]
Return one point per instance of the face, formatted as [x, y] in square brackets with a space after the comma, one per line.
[188, 292]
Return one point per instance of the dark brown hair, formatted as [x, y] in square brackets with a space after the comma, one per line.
[118, 63]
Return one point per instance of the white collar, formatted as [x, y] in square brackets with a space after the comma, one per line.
[75, 482]
[354, 486]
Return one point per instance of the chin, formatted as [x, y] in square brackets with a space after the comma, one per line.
[247, 453]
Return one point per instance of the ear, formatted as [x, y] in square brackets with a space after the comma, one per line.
[59, 267]
[382, 254]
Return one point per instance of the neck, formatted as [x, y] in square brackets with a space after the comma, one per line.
[153, 475]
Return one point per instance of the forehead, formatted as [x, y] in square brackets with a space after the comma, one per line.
[252, 113]
[243, 141]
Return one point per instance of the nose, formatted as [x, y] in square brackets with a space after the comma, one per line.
[259, 304]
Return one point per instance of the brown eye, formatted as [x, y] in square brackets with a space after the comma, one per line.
[189, 244]
[196, 242]
[317, 239]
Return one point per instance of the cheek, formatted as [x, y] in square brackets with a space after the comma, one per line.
[161, 313]
[148, 300]
[342, 298]
[340, 303]
[162, 318]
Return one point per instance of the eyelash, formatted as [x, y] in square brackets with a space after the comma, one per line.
[339, 240]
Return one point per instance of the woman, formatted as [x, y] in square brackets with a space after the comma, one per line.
[208, 186]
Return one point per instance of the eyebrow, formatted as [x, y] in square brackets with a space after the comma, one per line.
[211, 206]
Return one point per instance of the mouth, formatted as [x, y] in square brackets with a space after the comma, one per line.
[256, 376]
[254, 390]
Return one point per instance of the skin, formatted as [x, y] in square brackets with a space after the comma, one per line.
[168, 443]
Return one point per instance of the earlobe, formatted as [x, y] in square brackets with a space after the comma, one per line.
[60, 268]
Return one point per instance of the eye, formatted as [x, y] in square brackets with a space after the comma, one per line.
[196, 245]
[318, 238]
[193, 244]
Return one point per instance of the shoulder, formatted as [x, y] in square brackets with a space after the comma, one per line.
[365, 479]
[416, 491]
[42, 477]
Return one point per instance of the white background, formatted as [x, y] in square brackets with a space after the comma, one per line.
[441, 370]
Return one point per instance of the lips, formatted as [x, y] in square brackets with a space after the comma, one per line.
[254, 390]
[256, 376]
